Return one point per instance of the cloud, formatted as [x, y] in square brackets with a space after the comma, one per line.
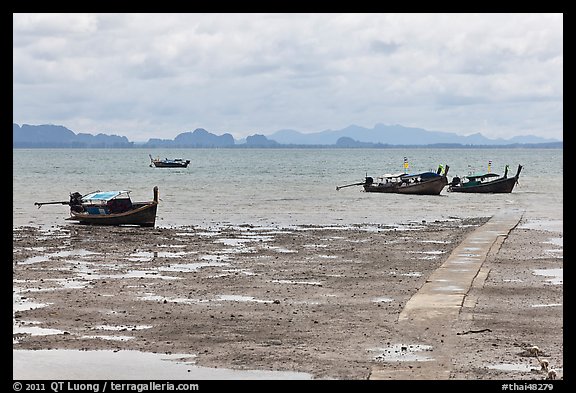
[157, 75]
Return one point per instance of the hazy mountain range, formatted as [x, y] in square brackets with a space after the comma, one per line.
[47, 135]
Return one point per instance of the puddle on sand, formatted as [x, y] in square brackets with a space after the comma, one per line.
[556, 274]
[122, 327]
[110, 338]
[127, 365]
[23, 328]
[524, 368]
[190, 267]
[512, 367]
[555, 253]
[58, 254]
[179, 300]
[318, 283]
[382, 300]
[20, 303]
[409, 274]
[557, 241]
[20, 327]
[403, 353]
[239, 242]
[148, 256]
[435, 252]
[544, 225]
[240, 298]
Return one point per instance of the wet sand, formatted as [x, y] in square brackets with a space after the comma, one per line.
[323, 301]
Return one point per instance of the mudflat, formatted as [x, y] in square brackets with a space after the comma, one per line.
[318, 300]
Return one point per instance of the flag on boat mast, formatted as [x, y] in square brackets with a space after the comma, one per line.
[489, 166]
[405, 165]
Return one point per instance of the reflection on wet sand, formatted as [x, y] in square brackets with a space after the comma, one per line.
[134, 365]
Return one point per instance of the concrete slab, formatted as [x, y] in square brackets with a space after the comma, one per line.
[438, 303]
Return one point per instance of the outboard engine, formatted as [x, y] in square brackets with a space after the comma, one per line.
[455, 181]
[369, 180]
[76, 202]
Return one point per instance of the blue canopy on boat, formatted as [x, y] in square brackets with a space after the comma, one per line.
[423, 175]
[103, 195]
[428, 175]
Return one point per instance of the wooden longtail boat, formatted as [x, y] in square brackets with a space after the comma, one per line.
[486, 183]
[424, 183]
[168, 163]
[110, 208]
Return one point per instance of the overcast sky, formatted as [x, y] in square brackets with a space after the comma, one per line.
[158, 75]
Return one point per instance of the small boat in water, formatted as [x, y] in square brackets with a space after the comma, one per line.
[486, 183]
[109, 208]
[424, 183]
[168, 163]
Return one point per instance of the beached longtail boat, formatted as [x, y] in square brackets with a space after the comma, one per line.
[109, 208]
[424, 183]
[486, 183]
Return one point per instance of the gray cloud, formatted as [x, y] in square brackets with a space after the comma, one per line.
[157, 75]
[384, 47]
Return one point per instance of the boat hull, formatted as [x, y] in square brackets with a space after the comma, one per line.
[184, 164]
[430, 187]
[500, 186]
[166, 163]
[143, 214]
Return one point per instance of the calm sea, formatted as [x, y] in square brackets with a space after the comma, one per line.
[280, 187]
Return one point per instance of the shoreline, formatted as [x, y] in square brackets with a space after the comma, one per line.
[317, 300]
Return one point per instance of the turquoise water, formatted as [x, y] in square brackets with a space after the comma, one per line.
[279, 187]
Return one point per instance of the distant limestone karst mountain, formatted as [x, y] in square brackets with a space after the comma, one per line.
[395, 135]
[380, 136]
[199, 138]
[49, 135]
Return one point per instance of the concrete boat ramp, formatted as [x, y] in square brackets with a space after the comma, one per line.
[431, 314]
